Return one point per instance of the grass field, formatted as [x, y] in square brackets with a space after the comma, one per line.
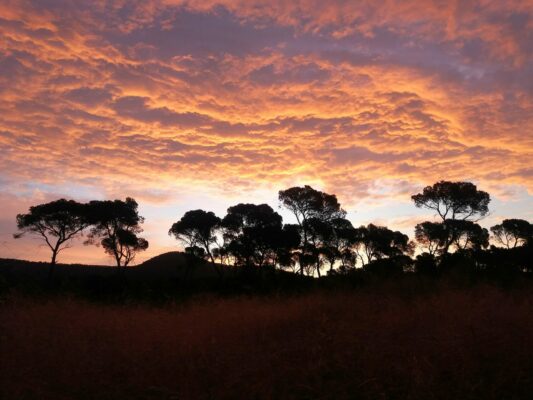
[468, 344]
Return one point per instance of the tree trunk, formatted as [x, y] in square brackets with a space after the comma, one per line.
[117, 258]
[447, 245]
[52, 265]
[301, 264]
[304, 245]
[318, 265]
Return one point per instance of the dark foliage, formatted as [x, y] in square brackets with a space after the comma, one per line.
[117, 225]
[197, 229]
[57, 223]
[314, 211]
[454, 200]
[513, 232]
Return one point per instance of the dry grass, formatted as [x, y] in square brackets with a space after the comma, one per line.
[453, 344]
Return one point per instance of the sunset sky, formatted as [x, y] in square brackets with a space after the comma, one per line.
[205, 104]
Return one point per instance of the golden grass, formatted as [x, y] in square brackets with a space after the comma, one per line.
[450, 345]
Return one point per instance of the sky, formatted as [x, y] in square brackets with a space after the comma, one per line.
[205, 104]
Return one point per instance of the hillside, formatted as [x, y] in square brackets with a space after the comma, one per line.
[175, 264]
[169, 265]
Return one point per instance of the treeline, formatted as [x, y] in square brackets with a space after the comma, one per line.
[322, 240]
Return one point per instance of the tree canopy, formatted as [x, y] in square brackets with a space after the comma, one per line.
[454, 200]
[377, 242]
[253, 233]
[311, 209]
[56, 222]
[432, 236]
[117, 225]
[197, 229]
[513, 232]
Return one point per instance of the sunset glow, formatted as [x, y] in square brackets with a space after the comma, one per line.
[204, 104]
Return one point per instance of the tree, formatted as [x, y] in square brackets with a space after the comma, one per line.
[252, 232]
[197, 228]
[437, 237]
[126, 244]
[329, 239]
[286, 244]
[432, 236]
[307, 203]
[378, 242]
[513, 232]
[320, 233]
[341, 242]
[467, 235]
[117, 225]
[454, 200]
[57, 222]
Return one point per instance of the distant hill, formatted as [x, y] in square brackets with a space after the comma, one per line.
[162, 277]
[176, 264]
[36, 270]
[172, 265]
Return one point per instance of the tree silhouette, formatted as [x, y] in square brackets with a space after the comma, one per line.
[116, 224]
[437, 237]
[432, 236]
[467, 234]
[307, 203]
[452, 201]
[197, 228]
[286, 244]
[253, 232]
[329, 240]
[339, 245]
[378, 242]
[126, 244]
[57, 222]
[513, 232]
[319, 234]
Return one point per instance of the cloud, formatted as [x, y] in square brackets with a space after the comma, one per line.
[136, 108]
[240, 97]
[300, 74]
[89, 96]
[355, 154]
[186, 32]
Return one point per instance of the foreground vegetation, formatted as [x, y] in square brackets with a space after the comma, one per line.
[405, 339]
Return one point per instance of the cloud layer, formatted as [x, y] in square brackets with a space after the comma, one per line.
[367, 100]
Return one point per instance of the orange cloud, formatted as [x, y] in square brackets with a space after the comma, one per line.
[235, 97]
